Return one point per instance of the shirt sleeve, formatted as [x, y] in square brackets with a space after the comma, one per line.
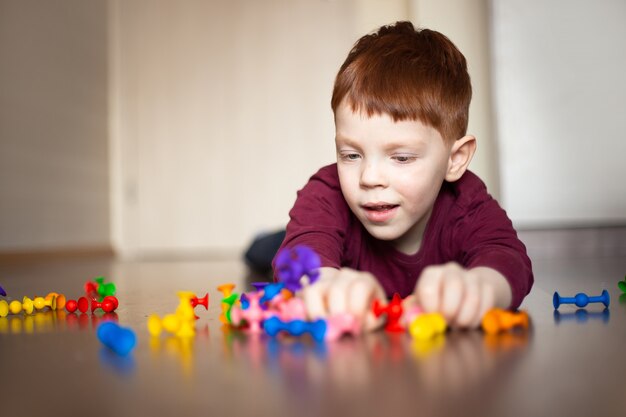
[319, 218]
[486, 237]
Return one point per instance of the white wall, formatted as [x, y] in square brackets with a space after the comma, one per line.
[466, 23]
[217, 112]
[560, 91]
[54, 184]
[221, 112]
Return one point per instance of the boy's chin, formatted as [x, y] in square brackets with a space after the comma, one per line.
[385, 233]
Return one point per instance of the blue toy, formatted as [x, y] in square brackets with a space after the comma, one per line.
[119, 339]
[317, 329]
[271, 291]
[581, 299]
[244, 301]
[3, 292]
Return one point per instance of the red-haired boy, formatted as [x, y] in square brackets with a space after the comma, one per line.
[399, 211]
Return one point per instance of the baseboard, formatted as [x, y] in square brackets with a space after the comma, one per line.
[47, 254]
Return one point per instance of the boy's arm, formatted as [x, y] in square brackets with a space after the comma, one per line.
[320, 218]
[486, 239]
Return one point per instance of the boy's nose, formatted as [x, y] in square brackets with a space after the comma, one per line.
[373, 175]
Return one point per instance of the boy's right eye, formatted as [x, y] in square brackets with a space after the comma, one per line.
[349, 156]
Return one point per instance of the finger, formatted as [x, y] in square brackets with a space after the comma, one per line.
[361, 296]
[428, 289]
[452, 293]
[314, 297]
[470, 305]
[338, 292]
[487, 302]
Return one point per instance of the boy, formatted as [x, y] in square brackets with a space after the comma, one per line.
[399, 212]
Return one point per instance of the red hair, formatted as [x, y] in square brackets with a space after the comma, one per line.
[408, 74]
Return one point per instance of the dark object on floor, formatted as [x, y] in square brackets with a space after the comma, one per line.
[262, 250]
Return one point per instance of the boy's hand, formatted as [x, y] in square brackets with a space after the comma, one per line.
[463, 296]
[344, 290]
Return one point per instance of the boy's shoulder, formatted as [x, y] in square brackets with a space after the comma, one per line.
[467, 193]
[328, 173]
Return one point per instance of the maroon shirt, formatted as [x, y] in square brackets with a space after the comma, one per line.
[466, 225]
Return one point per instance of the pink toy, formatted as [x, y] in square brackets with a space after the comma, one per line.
[410, 314]
[253, 315]
[287, 310]
[341, 324]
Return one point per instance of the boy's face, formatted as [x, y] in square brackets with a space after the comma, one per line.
[390, 174]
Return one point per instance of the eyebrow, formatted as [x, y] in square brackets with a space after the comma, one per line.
[391, 145]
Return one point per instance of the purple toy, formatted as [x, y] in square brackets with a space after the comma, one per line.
[292, 265]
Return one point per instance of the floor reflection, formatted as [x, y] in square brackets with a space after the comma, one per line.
[182, 349]
[49, 321]
[582, 316]
[452, 364]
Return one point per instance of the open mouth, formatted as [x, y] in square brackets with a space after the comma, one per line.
[379, 207]
[379, 213]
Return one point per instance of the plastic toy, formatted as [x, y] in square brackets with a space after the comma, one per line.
[108, 305]
[286, 310]
[622, 285]
[119, 339]
[2, 292]
[40, 303]
[581, 299]
[244, 301]
[410, 314]
[271, 291]
[181, 323]
[394, 312]
[427, 326]
[104, 288]
[317, 328]
[253, 315]
[204, 301]
[297, 266]
[228, 300]
[259, 286]
[341, 324]
[60, 300]
[82, 305]
[498, 320]
[15, 307]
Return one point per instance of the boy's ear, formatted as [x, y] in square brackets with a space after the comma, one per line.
[460, 156]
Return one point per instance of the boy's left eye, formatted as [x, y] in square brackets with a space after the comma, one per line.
[404, 158]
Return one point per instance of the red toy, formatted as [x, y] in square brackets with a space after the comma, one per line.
[82, 304]
[109, 304]
[394, 312]
[204, 301]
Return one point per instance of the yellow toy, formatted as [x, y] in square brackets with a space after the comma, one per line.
[427, 325]
[40, 303]
[181, 323]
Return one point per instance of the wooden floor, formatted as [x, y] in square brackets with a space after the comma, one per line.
[571, 363]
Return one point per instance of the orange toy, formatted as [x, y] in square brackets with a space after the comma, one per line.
[498, 320]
